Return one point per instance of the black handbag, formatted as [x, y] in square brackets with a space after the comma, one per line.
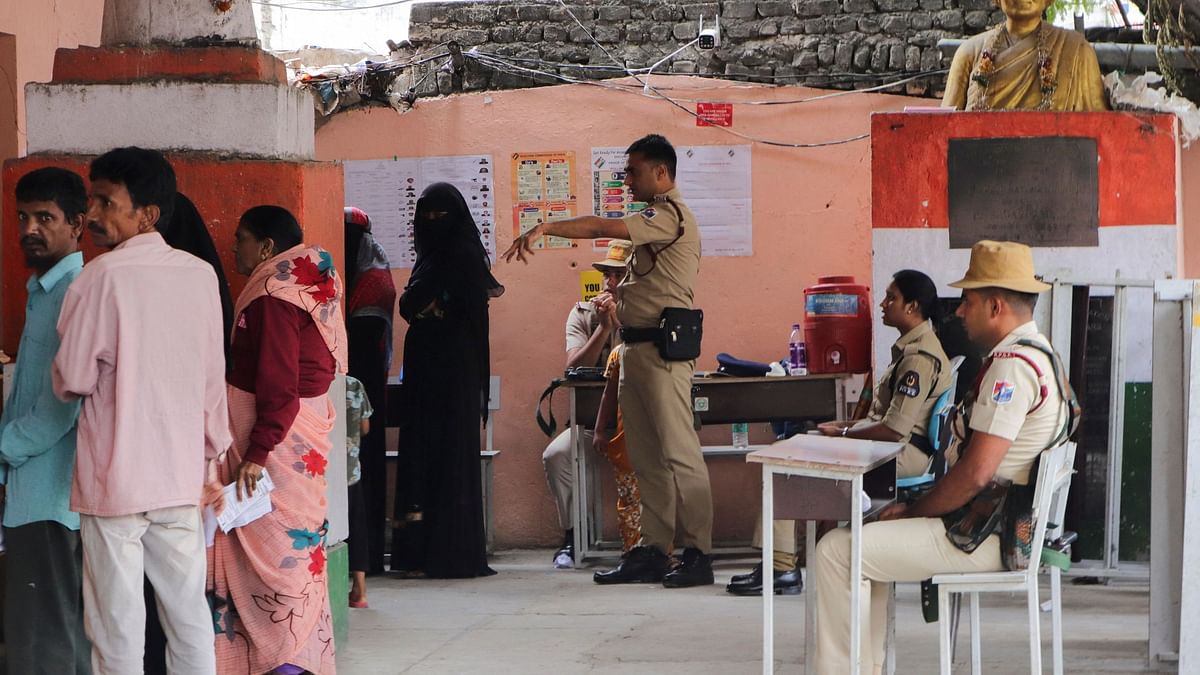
[680, 331]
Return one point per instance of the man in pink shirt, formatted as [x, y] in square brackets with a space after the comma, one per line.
[142, 347]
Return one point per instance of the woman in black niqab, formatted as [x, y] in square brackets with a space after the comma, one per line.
[447, 368]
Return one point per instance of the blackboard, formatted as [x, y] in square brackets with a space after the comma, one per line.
[1042, 191]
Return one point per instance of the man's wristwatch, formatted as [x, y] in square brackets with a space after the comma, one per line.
[845, 430]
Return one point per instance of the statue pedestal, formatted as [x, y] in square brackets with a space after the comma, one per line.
[1139, 233]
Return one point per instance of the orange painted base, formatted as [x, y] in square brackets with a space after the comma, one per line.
[1138, 162]
[108, 65]
[222, 190]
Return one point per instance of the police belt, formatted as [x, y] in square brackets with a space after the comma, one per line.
[634, 335]
[921, 443]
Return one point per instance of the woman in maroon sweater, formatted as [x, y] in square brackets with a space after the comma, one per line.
[289, 340]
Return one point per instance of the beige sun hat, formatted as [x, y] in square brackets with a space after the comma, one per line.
[617, 257]
[1002, 264]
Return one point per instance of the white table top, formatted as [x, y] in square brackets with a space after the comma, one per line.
[849, 455]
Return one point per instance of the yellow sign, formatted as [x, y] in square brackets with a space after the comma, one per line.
[591, 284]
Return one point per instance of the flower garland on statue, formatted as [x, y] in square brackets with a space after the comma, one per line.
[986, 66]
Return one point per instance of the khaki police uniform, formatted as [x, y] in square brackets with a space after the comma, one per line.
[655, 395]
[903, 401]
[914, 549]
[582, 322]
[904, 397]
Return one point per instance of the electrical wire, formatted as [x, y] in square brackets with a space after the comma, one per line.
[840, 75]
[302, 8]
[687, 110]
[880, 87]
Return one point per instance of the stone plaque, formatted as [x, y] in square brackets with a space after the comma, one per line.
[1042, 191]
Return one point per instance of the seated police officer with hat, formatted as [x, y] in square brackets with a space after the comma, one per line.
[1016, 410]
[592, 331]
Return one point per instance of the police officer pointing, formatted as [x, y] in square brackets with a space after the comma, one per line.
[654, 393]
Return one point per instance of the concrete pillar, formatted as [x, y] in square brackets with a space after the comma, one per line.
[145, 22]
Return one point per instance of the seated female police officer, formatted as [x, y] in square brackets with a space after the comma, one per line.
[903, 399]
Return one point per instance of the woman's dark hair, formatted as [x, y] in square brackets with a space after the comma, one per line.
[275, 223]
[917, 287]
[353, 242]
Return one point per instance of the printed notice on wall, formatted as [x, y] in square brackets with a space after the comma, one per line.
[610, 197]
[388, 189]
[714, 181]
[543, 190]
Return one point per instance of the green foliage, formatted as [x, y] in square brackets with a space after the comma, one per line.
[1071, 7]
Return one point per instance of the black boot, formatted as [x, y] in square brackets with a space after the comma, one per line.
[695, 569]
[753, 576]
[787, 582]
[642, 565]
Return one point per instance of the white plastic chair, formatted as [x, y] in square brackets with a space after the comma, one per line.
[1049, 506]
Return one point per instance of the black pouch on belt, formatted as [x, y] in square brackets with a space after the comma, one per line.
[681, 330]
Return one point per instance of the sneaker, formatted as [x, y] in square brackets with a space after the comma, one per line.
[564, 558]
[642, 565]
[695, 569]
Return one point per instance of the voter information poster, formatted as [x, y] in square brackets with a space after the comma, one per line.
[543, 190]
[714, 181]
[610, 197]
[388, 189]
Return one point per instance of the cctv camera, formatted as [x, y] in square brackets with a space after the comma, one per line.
[710, 38]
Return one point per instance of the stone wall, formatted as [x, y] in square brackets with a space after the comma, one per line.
[823, 43]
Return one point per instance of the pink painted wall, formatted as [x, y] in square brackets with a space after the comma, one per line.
[812, 211]
[1189, 247]
[40, 29]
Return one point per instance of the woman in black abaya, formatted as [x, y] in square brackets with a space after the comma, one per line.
[439, 503]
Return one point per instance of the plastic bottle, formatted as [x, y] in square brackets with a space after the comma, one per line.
[797, 354]
[741, 435]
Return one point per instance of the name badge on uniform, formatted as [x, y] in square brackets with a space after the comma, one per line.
[910, 384]
[1002, 392]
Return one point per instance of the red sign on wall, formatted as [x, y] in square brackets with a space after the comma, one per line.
[714, 114]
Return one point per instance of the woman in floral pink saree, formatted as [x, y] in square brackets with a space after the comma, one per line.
[267, 580]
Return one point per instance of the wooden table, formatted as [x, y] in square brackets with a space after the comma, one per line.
[716, 400]
[816, 478]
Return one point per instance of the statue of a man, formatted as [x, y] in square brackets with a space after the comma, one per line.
[1025, 64]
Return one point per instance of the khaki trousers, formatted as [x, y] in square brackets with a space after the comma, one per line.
[785, 557]
[911, 462]
[167, 546]
[908, 550]
[656, 405]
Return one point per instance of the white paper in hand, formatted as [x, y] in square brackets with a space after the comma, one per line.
[249, 509]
